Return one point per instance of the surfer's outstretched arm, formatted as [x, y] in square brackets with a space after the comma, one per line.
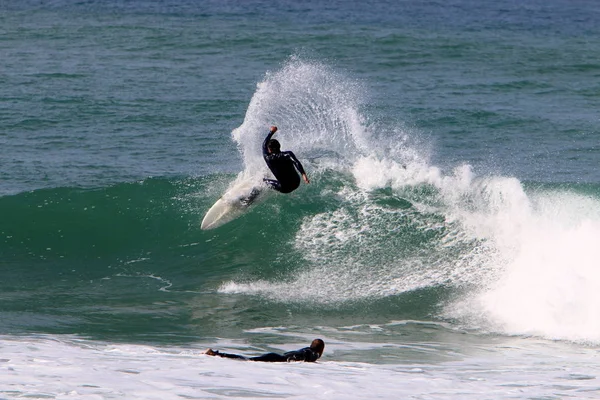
[211, 352]
[265, 148]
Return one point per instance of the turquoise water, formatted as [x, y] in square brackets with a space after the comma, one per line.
[449, 231]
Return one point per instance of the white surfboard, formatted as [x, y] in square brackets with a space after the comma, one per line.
[235, 202]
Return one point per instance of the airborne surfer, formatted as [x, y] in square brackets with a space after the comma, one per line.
[283, 165]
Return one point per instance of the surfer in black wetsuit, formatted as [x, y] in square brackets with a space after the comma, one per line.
[283, 164]
[308, 354]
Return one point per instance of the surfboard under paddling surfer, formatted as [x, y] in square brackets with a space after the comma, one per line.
[283, 165]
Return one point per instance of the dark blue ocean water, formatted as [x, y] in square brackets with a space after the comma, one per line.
[453, 209]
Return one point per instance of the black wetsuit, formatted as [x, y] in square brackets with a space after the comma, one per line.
[283, 165]
[306, 354]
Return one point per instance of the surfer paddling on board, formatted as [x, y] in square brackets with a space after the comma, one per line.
[308, 354]
[283, 165]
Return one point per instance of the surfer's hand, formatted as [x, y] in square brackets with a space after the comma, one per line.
[305, 178]
[273, 129]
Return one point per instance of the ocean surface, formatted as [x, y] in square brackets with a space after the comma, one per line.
[447, 246]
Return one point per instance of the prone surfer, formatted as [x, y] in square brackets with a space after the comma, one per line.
[283, 165]
[308, 354]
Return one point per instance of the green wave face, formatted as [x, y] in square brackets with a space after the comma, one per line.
[130, 259]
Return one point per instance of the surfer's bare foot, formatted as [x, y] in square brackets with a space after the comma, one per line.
[210, 352]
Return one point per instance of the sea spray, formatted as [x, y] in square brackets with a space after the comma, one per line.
[520, 260]
[316, 109]
[365, 247]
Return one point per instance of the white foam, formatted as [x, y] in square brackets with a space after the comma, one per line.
[343, 259]
[550, 285]
[72, 368]
[539, 250]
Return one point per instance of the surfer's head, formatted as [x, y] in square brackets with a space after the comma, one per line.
[318, 346]
[273, 146]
